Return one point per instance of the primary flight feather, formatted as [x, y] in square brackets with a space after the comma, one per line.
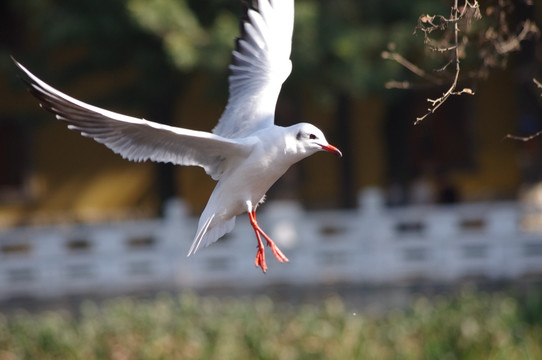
[246, 152]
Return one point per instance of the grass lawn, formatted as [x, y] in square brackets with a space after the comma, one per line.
[470, 325]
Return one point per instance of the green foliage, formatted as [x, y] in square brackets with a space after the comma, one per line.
[186, 38]
[472, 325]
[188, 43]
[341, 40]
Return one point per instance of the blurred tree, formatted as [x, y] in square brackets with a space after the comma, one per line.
[342, 42]
[339, 40]
[463, 45]
[69, 40]
[165, 41]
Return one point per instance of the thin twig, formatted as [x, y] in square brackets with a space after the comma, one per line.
[492, 42]
[389, 55]
[392, 84]
[428, 24]
[530, 137]
[455, 15]
[523, 138]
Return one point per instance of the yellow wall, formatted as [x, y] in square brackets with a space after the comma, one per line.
[496, 174]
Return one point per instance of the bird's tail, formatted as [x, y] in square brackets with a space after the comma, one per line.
[208, 234]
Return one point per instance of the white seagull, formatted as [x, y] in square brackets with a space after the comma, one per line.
[246, 152]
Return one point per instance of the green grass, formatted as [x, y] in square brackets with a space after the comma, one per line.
[471, 325]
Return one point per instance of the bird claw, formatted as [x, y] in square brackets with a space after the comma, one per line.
[260, 260]
[260, 256]
[277, 252]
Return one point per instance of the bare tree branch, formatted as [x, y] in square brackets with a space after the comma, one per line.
[492, 40]
[455, 16]
[391, 55]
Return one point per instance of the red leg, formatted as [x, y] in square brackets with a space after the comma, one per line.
[260, 255]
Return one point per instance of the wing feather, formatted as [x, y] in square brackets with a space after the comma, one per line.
[260, 65]
[137, 139]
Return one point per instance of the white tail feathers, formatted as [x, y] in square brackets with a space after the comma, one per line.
[201, 233]
[208, 234]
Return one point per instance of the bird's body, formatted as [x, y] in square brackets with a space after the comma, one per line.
[273, 151]
[246, 153]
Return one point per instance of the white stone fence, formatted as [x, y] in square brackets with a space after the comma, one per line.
[369, 245]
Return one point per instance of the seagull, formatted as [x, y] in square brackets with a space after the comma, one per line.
[246, 153]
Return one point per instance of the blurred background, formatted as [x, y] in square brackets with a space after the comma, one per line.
[409, 209]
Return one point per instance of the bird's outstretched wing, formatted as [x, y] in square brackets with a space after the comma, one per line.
[260, 65]
[136, 139]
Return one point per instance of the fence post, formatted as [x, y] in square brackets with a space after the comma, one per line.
[502, 225]
[375, 227]
[176, 234]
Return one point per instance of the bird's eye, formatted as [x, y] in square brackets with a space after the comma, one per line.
[312, 137]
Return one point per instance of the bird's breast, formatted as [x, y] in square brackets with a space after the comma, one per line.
[249, 180]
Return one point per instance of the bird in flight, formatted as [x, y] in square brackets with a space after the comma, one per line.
[246, 153]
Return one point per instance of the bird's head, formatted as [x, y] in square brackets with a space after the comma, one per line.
[309, 139]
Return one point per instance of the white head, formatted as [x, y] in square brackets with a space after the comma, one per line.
[308, 139]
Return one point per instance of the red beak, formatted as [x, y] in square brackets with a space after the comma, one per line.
[332, 149]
